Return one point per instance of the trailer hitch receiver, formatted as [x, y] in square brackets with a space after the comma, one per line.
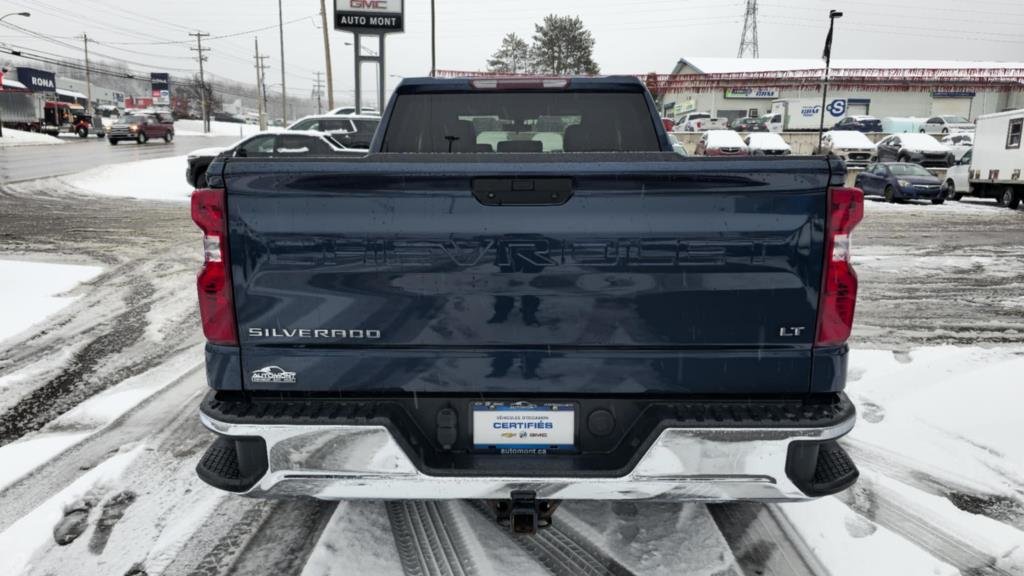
[523, 513]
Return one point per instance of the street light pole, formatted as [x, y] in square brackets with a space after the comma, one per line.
[26, 15]
[827, 55]
[433, 41]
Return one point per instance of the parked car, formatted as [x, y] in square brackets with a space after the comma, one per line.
[699, 122]
[919, 148]
[748, 124]
[902, 125]
[900, 181]
[721, 143]
[142, 128]
[265, 145]
[350, 130]
[959, 143]
[677, 146]
[518, 328]
[859, 123]
[957, 183]
[767, 144]
[854, 148]
[946, 125]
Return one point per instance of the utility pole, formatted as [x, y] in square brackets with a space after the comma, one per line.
[259, 85]
[327, 55]
[88, 76]
[263, 89]
[748, 42]
[284, 92]
[318, 92]
[433, 42]
[199, 35]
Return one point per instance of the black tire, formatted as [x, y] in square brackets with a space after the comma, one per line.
[904, 158]
[142, 138]
[82, 132]
[945, 130]
[168, 136]
[113, 142]
[938, 201]
[1010, 198]
[201, 180]
[922, 131]
[890, 195]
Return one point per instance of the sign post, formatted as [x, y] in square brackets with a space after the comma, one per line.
[369, 18]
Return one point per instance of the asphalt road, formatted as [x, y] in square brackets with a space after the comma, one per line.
[929, 275]
[23, 163]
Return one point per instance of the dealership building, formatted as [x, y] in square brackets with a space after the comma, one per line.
[734, 87]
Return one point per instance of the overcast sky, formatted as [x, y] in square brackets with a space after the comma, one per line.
[632, 36]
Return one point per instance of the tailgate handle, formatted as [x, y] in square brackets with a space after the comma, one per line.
[522, 191]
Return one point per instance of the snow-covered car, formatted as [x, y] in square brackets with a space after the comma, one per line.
[767, 144]
[721, 143]
[960, 143]
[854, 148]
[266, 144]
[947, 125]
[902, 125]
[349, 110]
[918, 148]
[958, 179]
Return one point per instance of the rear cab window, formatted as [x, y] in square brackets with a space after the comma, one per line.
[521, 121]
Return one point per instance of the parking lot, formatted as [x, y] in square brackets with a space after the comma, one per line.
[940, 290]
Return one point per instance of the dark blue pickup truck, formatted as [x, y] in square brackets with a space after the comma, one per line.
[522, 295]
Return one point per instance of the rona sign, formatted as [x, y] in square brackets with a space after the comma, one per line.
[369, 16]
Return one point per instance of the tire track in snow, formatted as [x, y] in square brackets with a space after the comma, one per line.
[164, 411]
[1000, 505]
[429, 544]
[563, 551]
[925, 528]
[283, 542]
[763, 540]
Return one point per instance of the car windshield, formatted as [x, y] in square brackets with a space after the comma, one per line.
[767, 140]
[133, 120]
[699, 116]
[954, 119]
[908, 170]
[724, 139]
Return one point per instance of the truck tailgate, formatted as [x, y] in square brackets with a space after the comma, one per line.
[659, 275]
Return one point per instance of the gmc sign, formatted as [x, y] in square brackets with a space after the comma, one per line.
[369, 16]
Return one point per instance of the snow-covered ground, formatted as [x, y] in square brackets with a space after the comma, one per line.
[160, 179]
[32, 291]
[195, 128]
[14, 138]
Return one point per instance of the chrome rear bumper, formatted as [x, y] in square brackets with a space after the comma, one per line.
[337, 462]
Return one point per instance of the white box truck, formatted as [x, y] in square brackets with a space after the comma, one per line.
[804, 114]
[998, 158]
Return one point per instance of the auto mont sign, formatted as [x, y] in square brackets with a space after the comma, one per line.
[369, 16]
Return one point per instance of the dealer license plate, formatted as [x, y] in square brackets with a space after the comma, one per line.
[524, 428]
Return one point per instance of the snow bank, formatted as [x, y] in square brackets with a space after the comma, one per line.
[14, 138]
[160, 179]
[195, 128]
[32, 291]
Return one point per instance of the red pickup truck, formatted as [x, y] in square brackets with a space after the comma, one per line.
[142, 128]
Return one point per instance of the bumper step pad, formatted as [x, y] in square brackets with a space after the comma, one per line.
[232, 464]
[820, 468]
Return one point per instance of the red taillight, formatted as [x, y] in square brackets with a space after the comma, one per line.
[839, 284]
[215, 304]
